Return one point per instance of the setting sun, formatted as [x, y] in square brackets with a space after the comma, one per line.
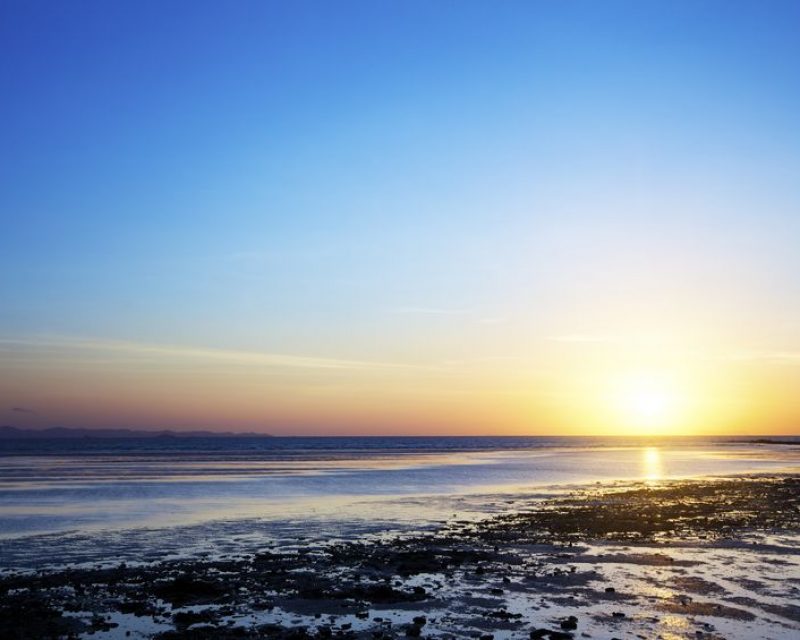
[648, 401]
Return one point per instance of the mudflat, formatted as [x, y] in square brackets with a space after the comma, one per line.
[711, 558]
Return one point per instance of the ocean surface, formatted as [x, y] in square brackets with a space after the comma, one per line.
[90, 485]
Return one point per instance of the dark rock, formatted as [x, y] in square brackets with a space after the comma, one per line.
[187, 618]
[23, 616]
[185, 590]
[137, 607]
[570, 624]
[502, 614]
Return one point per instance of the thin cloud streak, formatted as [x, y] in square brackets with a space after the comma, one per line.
[788, 357]
[250, 358]
[432, 311]
[585, 338]
[30, 412]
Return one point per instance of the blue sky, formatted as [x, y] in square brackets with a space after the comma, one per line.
[418, 183]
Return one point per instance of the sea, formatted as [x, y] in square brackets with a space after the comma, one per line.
[150, 496]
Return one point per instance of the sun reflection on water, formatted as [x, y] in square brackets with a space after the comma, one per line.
[652, 467]
[674, 627]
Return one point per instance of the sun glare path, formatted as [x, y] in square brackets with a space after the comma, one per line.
[652, 467]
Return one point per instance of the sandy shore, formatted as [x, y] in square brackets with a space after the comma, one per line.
[693, 559]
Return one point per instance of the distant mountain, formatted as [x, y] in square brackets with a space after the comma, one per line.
[774, 441]
[14, 433]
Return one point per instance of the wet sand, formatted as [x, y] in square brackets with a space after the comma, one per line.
[687, 559]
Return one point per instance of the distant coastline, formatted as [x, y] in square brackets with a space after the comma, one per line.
[15, 433]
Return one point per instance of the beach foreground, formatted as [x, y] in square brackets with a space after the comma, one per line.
[684, 559]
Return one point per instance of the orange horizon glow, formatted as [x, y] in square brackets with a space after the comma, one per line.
[597, 391]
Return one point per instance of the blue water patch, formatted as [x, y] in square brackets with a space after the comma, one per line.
[58, 485]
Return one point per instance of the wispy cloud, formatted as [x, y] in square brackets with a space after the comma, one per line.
[788, 357]
[493, 320]
[490, 360]
[30, 412]
[585, 338]
[432, 311]
[240, 357]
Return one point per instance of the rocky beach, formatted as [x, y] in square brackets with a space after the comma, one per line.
[707, 558]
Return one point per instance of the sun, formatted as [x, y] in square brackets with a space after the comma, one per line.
[647, 401]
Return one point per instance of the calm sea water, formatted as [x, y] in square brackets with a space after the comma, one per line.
[94, 484]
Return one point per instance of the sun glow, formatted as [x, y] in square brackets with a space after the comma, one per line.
[648, 402]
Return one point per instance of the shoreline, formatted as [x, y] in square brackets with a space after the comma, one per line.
[602, 559]
[136, 489]
[489, 503]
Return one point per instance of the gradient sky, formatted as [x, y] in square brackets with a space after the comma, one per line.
[400, 217]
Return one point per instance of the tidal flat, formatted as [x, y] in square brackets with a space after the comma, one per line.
[711, 558]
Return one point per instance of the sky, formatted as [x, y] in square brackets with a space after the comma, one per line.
[540, 217]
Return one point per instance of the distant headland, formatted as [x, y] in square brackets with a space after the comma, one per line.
[15, 433]
[773, 441]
